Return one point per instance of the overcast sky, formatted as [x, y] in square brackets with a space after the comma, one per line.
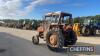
[16, 9]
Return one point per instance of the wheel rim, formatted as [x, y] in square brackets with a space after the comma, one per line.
[53, 40]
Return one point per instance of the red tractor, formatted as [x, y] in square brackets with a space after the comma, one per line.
[57, 30]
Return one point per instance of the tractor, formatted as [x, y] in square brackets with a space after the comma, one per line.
[90, 26]
[28, 24]
[56, 31]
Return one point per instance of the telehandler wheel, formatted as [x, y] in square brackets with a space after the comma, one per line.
[35, 40]
[54, 40]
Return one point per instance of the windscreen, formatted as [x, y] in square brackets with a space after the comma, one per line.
[86, 22]
[65, 19]
[97, 22]
[52, 19]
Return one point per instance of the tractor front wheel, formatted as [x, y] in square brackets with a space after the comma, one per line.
[85, 31]
[35, 40]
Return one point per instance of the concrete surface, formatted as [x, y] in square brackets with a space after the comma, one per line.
[17, 42]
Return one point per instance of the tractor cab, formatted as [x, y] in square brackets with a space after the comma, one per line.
[89, 21]
[58, 19]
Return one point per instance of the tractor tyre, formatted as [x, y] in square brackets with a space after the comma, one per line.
[93, 31]
[98, 31]
[71, 38]
[74, 38]
[35, 40]
[85, 31]
[54, 40]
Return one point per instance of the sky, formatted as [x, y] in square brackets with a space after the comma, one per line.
[36, 9]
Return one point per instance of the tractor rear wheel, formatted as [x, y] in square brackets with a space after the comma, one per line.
[93, 31]
[54, 40]
[70, 38]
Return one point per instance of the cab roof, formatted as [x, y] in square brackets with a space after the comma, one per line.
[58, 13]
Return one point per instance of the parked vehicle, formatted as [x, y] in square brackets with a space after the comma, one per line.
[90, 26]
[55, 31]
